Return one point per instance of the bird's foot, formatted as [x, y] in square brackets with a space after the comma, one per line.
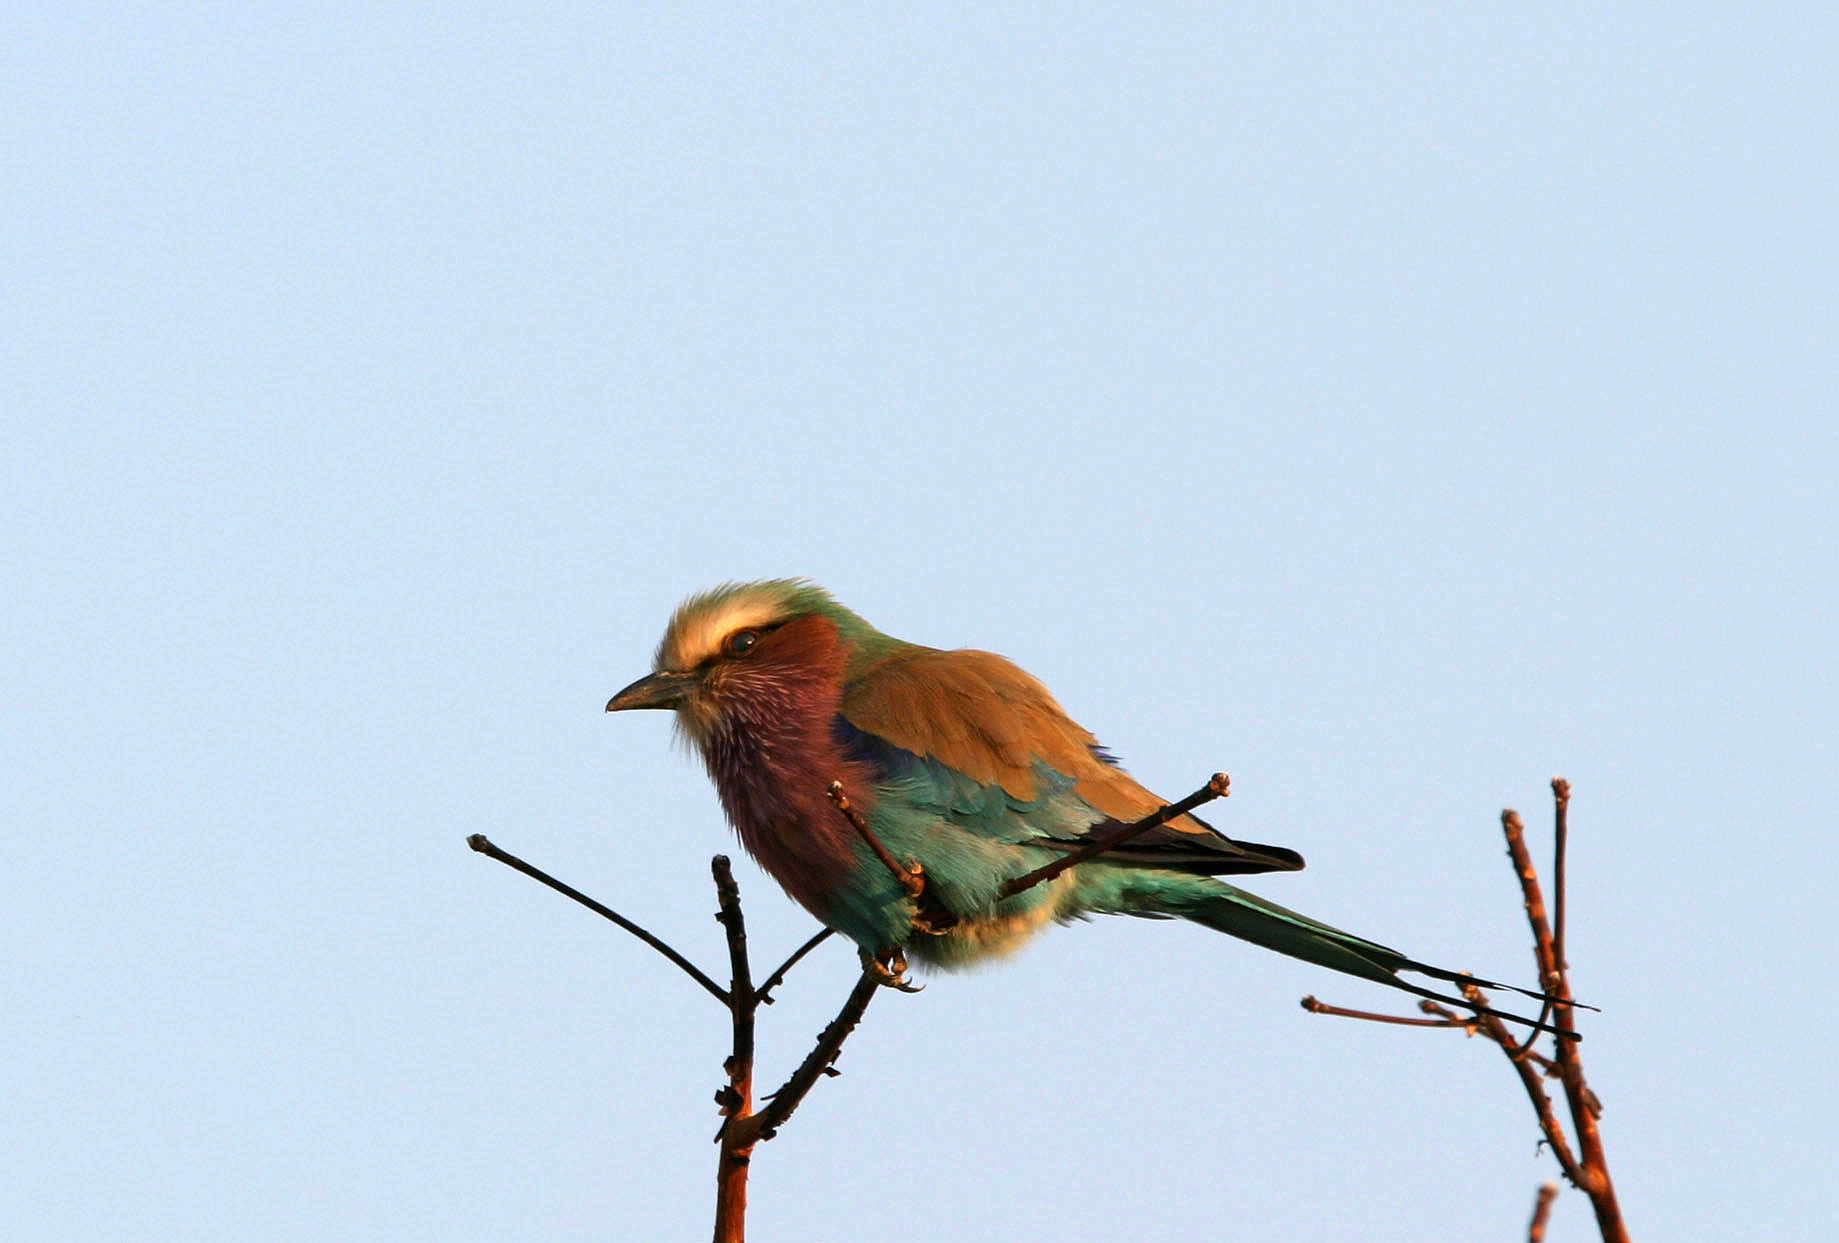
[888, 970]
[930, 915]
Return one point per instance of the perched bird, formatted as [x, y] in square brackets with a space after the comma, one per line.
[958, 762]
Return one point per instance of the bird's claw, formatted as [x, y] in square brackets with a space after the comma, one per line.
[889, 970]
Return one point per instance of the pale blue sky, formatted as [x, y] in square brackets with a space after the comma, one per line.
[1393, 407]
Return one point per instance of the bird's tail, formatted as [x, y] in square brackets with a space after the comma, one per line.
[1250, 918]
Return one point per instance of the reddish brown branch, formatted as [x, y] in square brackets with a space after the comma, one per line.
[1561, 830]
[1551, 980]
[1530, 1079]
[1546, 1065]
[1218, 787]
[741, 1128]
[1586, 1167]
[1542, 1210]
[736, 1100]
[1449, 1020]
[1589, 1171]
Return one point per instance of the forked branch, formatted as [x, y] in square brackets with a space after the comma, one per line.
[1585, 1166]
[742, 1128]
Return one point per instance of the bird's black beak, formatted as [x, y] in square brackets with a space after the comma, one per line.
[662, 689]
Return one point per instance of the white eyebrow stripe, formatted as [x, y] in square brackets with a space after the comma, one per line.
[695, 638]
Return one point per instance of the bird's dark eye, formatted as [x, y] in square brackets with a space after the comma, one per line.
[740, 642]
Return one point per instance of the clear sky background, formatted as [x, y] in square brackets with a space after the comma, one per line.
[1391, 406]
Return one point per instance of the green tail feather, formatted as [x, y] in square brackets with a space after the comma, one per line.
[1157, 893]
[1251, 918]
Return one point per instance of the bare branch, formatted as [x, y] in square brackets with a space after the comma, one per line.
[1531, 1080]
[1585, 1166]
[482, 844]
[764, 994]
[1542, 1209]
[1561, 828]
[1451, 1020]
[742, 1129]
[736, 1100]
[1590, 1169]
[818, 1063]
[740, 992]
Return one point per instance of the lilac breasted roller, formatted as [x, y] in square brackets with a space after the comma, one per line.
[958, 761]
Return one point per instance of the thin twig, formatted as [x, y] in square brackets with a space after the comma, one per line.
[1552, 978]
[482, 844]
[1530, 1079]
[1561, 800]
[1542, 1209]
[1544, 1063]
[764, 993]
[817, 1063]
[1218, 787]
[1321, 1007]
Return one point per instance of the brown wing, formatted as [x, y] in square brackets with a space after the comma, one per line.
[981, 715]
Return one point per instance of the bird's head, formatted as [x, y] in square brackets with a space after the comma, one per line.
[753, 649]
